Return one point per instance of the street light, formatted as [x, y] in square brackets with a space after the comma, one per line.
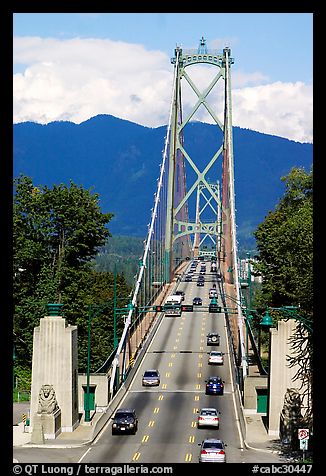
[91, 311]
[290, 312]
[249, 280]
[249, 318]
[266, 321]
[87, 405]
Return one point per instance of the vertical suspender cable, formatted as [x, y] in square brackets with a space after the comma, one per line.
[115, 363]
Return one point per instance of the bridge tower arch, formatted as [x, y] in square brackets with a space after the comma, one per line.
[179, 222]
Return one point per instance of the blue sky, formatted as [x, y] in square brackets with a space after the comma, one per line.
[273, 55]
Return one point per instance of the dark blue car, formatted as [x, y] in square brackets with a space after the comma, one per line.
[214, 386]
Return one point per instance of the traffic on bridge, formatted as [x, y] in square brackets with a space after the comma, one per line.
[168, 413]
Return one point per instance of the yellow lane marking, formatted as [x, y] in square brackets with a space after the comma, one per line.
[156, 410]
[136, 456]
[151, 423]
[188, 457]
[191, 439]
[201, 348]
[175, 347]
[196, 398]
[172, 356]
[161, 397]
[199, 375]
[177, 340]
[197, 386]
[195, 410]
[200, 364]
[168, 374]
[164, 386]
[193, 424]
[145, 439]
[200, 356]
[170, 364]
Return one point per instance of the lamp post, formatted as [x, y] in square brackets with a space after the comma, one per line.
[265, 323]
[87, 403]
[115, 338]
[91, 310]
[290, 312]
[249, 280]
[13, 368]
[249, 319]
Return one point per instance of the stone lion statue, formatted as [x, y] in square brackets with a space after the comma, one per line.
[290, 418]
[292, 404]
[47, 401]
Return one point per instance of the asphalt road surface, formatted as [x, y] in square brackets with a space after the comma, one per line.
[167, 431]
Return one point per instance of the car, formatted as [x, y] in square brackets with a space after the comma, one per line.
[151, 378]
[216, 357]
[212, 293]
[125, 421]
[212, 451]
[197, 301]
[214, 386]
[200, 282]
[188, 278]
[208, 417]
[180, 293]
[213, 338]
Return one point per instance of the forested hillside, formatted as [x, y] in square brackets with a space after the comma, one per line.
[121, 254]
[121, 160]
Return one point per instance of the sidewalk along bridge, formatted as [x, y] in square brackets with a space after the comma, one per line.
[193, 205]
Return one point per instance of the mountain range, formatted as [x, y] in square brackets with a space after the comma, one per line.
[120, 160]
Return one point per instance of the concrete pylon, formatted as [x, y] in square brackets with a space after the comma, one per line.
[281, 375]
[55, 363]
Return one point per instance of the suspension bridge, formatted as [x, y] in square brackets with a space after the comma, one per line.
[190, 252]
[190, 208]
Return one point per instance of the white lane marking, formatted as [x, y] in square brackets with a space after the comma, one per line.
[84, 455]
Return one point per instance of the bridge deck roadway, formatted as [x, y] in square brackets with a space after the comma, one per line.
[167, 414]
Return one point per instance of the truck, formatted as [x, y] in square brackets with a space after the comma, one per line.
[172, 306]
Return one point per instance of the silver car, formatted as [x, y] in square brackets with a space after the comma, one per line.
[212, 451]
[151, 378]
[216, 357]
[208, 417]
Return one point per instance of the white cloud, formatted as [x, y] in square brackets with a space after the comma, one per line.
[282, 109]
[76, 79]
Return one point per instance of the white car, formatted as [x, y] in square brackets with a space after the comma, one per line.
[212, 451]
[151, 378]
[208, 417]
[212, 293]
[216, 357]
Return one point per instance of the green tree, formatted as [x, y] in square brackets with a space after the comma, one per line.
[285, 246]
[56, 233]
[284, 243]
